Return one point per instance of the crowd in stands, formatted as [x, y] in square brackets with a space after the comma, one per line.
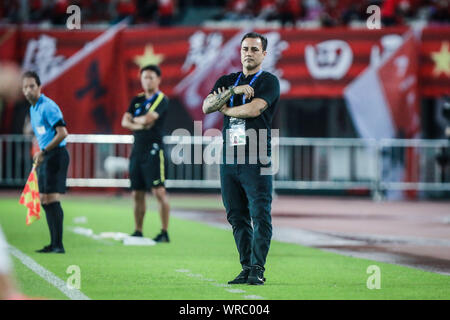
[327, 13]
[92, 11]
[337, 12]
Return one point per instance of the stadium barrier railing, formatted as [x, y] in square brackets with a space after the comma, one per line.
[299, 163]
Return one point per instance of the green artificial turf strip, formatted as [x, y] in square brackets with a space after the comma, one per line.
[110, 270]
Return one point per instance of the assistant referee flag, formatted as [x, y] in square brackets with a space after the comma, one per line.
[30, 198]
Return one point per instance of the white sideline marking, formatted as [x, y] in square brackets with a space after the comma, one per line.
[223, 285]
[80, 220]
[253, 297]
[213, 282]
[48, 276]
[88, 233]
[118, 236]
[235, 290]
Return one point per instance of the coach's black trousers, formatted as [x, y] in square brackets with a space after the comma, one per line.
[247, 197]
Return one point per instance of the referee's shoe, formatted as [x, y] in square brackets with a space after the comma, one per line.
[50, 249]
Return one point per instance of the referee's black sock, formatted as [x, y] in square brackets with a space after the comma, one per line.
[56, 211]
[51, 222]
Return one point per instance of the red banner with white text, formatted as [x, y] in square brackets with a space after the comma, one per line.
[93, 78]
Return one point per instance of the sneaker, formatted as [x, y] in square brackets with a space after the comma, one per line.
[136, 234]
[163, 236]
[45, 249]
[242, 277]
[256, 276]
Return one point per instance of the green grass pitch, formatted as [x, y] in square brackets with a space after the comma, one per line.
[110, 270]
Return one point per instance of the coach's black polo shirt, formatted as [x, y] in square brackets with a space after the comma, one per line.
[145, 138]
[266, 87]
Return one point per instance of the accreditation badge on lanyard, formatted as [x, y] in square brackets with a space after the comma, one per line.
[237, 126]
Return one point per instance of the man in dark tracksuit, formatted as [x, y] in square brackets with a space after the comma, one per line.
[248, 101]
[145, 116]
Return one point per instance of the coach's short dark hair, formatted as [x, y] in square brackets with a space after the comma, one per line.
[256, 35]
[152, 67]
[32, 74]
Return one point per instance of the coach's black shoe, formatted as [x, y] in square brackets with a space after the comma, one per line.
[46, 249]
[242, 277]
[137, 234]
[163, 236]
[256, 276]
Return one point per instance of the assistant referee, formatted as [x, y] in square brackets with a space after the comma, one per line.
[52, 160]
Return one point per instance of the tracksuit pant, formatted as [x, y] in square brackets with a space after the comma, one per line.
[247, 197]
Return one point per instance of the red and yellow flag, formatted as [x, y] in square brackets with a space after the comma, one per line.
[30, 198]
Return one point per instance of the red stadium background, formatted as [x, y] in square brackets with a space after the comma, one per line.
[93, 74]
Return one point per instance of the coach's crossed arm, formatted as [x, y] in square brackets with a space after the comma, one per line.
[216, 100]
[147, 120]
[249, 110]
[129, 123]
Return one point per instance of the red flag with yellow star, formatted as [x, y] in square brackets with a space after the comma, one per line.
[30, 198]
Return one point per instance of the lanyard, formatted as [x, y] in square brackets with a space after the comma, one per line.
[237, 82]
[151, 99]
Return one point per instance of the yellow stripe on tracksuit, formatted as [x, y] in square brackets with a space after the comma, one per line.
[161, 165]
[157, 102]
[161, 153]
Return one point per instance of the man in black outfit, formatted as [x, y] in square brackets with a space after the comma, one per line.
[248, 101]
[145, 117]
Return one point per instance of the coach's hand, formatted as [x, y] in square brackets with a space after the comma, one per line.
[246, 90]
[38, 158]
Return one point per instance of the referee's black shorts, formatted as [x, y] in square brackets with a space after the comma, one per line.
[52, 172]
[147, 167]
